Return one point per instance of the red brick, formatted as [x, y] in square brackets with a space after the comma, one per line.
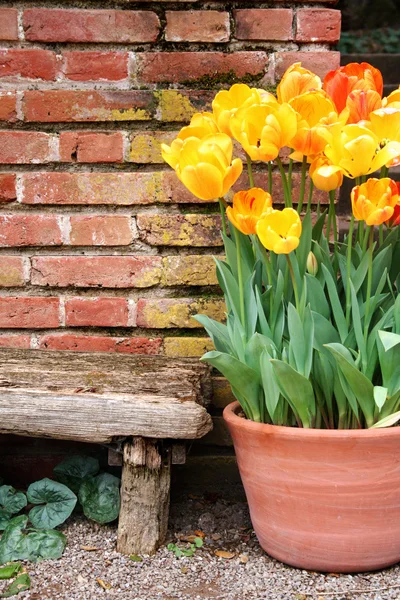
[24, 147]
[121, 189]
[11, 271]
[15, 341]
[180, 230]
[318, 62]
[8, 192]
[89, 147]
[264, 24]
[59, 25]
[197, 26]
[101, 230]
[8, 106]
[27, 63]
[88, 105]
[97, 343]
[173, 67]
[97, 271]
[96, 312]
[318, 25]
[95, 66]
[29, 230]
[29, 312]
[8, 24]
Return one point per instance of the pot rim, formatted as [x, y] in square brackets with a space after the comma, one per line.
[231, 417]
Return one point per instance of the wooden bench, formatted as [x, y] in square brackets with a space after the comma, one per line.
[140, 402]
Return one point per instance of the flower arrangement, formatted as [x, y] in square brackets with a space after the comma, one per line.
[312, 334]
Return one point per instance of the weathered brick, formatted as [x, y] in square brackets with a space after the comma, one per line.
[8, 191]
[181, 347]
[8, 24]
[11, 271]
[101, 230]
[95, 66]
[318, 25]
[318, 62]
[222, 392]
[173, 67]
[29, 312]
[89, 147]
[8, 106]
[197, 26]
[104, 188]
[28, 63]
[96, 271]
[88, 105]
[96, 312]
[29, 230]
[261, 180]
[97, 343]
[189, 270]
[24, 147]
[180, 106]
[180, 230]
[266, 24]
[146, 145]
[166, 313]
[15, 341]
[76, 25]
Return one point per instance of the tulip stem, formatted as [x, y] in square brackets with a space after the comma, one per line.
[302, 184]
[222, 209]
[270, 176]
[296, 293]
[290, 170]
[369, 280]
[381, 234]
[240, 275]
[384, 172]
[332, 218]
[348, 268]
[250, 170]
[310, 195]
[286, 191]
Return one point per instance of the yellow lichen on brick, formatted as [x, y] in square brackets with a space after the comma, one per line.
[169, 313]
[10, 277]
[185, 346]
[146, 146]
[129, 114]
[189, 270]
[173, 106]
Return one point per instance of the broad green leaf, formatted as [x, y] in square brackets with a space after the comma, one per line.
[316, 296]
[74, 469]
[10, 570]
[271, 389]
[358, 329]
[324, 332]
[360, 274]
[11, 500]
[100, 498]
[380, 396]
[389, 340]
[217, 332]
[56, 503]
[297, 347]
[262, 320]
[21, 583]
[297, 390]
[10, 542]
[387, 421]
[381, 262]
[46, 543]
[5, 518]
[337, 309]
[255, 347]
[318, 227]
[304, 247]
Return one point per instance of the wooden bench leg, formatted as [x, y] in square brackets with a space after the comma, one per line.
[145, 488]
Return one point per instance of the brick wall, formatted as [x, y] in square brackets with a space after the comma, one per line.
[101, 248]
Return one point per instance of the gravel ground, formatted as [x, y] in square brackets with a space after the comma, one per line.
[90, 563]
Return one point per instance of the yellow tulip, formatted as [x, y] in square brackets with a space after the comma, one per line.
[171, 153]
[374, 201]
[201, 124]
[295, 81]
[205, 168]
[393, 99]
[280, 230]
[313, 106]
[227, 102]
[385, 124]
[264, 129]
[325, 176]
[358, 151]
[248, 207]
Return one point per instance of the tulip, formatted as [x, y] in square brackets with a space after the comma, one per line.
[248, 207]
[280, 230]
[395, 219]
[358, 151]
[374, 200]
[201, 124]
[264, 129]
[171, 153]
[227, 102]
[354, 76]
[312, 264]
[393, 99]
[297, 81]
[360, 104]
[325, 176]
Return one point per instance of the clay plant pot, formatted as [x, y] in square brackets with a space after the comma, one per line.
[321, 500]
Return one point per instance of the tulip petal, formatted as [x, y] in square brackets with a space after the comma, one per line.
[203, 180]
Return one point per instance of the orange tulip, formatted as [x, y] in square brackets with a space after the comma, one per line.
[248, 207]
[354, 76]
[296, 81]
[395, 219]
[374, 201]
[311, 107]
[361, 103]
[325, 176]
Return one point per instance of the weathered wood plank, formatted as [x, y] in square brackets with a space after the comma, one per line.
[106, 372]
[145, 491]
[100, 418]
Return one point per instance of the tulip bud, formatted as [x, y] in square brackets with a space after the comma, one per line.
[312, 264]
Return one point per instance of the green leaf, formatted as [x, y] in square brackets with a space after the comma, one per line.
[271, 390]
[74, 469]
[10, 571]
[22, 583]
[389, 340]
[198, 542]
[11, 500]
[10, 543]
[316, 296]
[380, 396]
[387, 421]
[217, 332]
[45, 543]
[319, 226]
[100, 498]
[337, 310]
[297, 390]
[56, 503]
[5, 517]
[304, 247]
[358, 331]
[136, 558]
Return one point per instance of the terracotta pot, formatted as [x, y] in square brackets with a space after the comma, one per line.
[321, 500]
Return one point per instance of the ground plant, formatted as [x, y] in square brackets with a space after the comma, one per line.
[312, 331]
